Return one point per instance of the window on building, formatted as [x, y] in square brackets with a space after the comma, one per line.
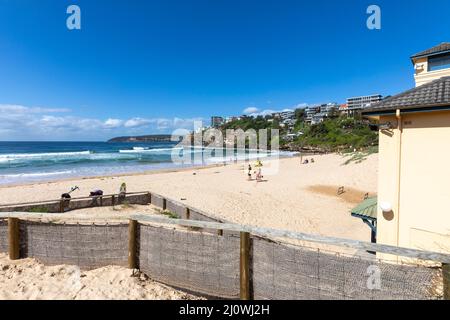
[439, 63]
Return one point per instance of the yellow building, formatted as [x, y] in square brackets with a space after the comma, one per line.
[414, 158]
[432, 64]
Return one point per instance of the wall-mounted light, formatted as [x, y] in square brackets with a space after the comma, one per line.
[385, 206]
[419, 68]
[386, 126]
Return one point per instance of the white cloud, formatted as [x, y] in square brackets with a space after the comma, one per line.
[301, 106]
[112, 123]
[30, 123]
[250, 110]
[255, 112]
[267, 112]
[14, 108]
[137, 122]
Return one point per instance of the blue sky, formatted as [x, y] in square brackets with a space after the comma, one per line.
[139, 67]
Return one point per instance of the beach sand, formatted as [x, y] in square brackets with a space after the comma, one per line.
[29, 279]
[299, 198]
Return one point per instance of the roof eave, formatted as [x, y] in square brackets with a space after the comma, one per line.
[424, 55]
[411, 109]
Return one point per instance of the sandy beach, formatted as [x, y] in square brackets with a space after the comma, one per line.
[29, 279]
[299, 198]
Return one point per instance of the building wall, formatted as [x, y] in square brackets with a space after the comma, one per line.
[420, 194]
[423, 76]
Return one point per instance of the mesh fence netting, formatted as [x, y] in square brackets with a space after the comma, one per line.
[208, 264]
[87, 246]
[283, 271]
[196, 261]
[3, 235]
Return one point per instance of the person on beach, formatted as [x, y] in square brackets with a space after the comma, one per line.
[258, 171]
[249, 172]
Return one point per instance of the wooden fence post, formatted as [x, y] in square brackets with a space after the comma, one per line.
[61, 206]
[164, 204]
[446, 278]
[187, 213]
[245, 266]
[113, 200]
[132, 244]
[13, 238]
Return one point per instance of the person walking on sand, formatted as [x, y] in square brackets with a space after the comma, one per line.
[258, 171]
[249, 172]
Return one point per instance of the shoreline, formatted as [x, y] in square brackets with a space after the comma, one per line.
[138, 173]
[112, 175]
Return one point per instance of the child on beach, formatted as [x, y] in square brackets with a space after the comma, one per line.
[249, 172]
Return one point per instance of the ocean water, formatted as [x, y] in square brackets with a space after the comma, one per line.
[22, 162]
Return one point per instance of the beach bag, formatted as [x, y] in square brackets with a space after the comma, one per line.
[96, 193]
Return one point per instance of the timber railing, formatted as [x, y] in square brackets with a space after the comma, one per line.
[64, 205]
[227, 260]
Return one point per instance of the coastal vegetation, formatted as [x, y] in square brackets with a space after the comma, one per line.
[167, 213]
[359, 156]
[339, 134]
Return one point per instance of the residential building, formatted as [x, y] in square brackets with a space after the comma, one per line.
[413, 182]
[287, 115]
[319, 113]
[318, 118]
[310, 111]
[432, 64]
[230, 119]
[357, 104]
[343, 109]
[216, 121]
